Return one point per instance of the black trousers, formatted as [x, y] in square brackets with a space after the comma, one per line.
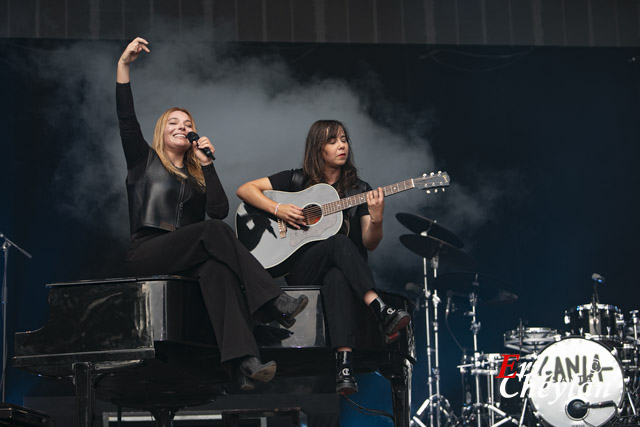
[337, 266]
[210, 251]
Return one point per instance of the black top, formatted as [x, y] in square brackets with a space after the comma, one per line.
[158, 199]
[284, 181]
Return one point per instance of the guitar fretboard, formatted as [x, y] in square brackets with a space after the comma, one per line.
[358, 199]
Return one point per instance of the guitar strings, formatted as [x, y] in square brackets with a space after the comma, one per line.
[312, 214]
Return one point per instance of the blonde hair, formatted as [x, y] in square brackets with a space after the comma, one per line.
[190, 159]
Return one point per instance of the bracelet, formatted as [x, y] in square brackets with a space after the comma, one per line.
[276, 210]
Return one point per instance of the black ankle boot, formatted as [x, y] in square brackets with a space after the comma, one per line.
[251, 368]
[285, 308]
[345, 382]
[391, 319]
[245, 383]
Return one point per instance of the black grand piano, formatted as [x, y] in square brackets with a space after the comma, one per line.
[147, 343]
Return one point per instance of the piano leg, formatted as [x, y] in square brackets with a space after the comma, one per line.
[84, 393]
[401, 396]
[163, 416]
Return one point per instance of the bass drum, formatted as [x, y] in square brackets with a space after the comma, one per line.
[573, 373]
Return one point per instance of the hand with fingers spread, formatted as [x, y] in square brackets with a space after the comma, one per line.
[291, 214]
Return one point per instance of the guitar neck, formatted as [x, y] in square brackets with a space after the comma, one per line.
[358, 199]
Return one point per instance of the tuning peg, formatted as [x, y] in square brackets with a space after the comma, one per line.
[443, 190]
[432, 173]
[435, 191]
[424, 175]
[439, 172]
[428, 191]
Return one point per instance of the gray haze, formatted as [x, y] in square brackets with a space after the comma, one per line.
[257, 115]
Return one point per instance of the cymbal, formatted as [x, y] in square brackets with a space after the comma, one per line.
[490, 290]
[418, 224]
[429, 247]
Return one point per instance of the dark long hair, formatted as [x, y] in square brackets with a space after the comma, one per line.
[320, 133]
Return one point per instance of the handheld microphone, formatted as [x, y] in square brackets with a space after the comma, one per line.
[194, 137]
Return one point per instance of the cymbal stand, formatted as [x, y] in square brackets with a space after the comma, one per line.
[436, 369]
[6, 244]
[475, 328]
[433, 366]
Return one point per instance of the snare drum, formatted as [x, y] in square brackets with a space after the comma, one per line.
[573, 372]
[602, 322]
[530, 340]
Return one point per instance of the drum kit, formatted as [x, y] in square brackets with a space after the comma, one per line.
[588, 375]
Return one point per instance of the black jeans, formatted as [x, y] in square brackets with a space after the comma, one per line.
[210, 251]
[337, 266]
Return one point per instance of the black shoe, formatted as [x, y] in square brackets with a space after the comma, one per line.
[345, 382]
[391, 319]
[245, 383]
[285, 308]
[252, 368]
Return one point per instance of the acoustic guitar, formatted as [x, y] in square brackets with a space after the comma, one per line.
[272, 242]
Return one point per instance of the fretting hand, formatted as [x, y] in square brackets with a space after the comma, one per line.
[375, 203]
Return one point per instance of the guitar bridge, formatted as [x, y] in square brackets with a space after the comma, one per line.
[282, 226]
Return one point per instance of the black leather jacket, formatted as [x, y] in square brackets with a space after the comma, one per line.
[157, 198]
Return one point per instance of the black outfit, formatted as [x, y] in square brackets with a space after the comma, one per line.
[338, 264]
[170, 235]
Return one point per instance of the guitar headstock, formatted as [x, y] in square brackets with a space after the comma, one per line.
[433, 180]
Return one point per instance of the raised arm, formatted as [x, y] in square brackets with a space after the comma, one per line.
[133, 143]
[251, 193]
[129, 55]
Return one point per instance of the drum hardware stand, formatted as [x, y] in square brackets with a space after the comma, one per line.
[524, 411]
[475, 328]
[521, 325]
[596, 279]
[6, 244]
[432, 365]
[633, 407]
[428, 403]
[634, 321]
[506, 417]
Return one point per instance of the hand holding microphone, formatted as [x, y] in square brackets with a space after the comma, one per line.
[194, 137]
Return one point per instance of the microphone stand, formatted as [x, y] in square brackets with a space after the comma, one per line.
[6, 244]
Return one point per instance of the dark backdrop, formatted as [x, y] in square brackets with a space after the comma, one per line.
[559, 125]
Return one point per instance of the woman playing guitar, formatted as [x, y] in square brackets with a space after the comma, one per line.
[339, 263]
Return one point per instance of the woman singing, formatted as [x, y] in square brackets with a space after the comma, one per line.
[170, 187]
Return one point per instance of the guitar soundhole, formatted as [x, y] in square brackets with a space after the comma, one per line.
[312, 214]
